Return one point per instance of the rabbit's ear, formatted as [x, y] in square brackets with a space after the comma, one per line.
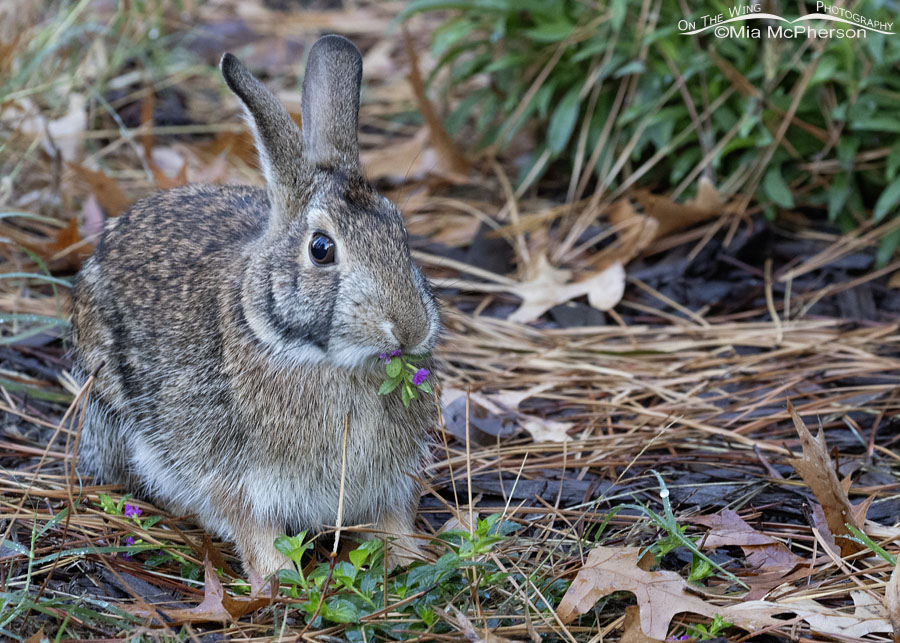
[278, 139]
[331, 103]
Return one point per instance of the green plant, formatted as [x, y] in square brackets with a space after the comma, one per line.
[624, 96]
[701, 633]
[159, 554]
[403, 373]
[19, 598]
[863, 539]
[359, 588]
[702, 566]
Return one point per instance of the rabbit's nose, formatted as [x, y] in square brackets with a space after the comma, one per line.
[406, 337]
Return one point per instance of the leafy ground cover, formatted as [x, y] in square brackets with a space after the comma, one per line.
[632, 396]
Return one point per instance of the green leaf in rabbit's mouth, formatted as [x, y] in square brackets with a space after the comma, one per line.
[402, 374]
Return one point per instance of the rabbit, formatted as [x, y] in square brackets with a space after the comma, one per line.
[231, 330]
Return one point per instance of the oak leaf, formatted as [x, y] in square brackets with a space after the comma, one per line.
[548, 286]
[762, 551]
[660, 595]
[869, 616]
[631, 630]
[817, 471]
[216, 606]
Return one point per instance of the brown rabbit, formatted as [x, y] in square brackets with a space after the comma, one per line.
[233, 329]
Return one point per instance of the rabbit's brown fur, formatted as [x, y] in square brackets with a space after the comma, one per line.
[227, 361]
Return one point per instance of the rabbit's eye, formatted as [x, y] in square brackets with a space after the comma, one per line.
[321, 249]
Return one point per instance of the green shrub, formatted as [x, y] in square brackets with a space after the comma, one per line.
[570, 65]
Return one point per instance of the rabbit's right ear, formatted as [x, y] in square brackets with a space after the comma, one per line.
[278, 139]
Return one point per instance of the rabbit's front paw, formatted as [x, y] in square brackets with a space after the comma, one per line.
[256, 542]
[404, 547]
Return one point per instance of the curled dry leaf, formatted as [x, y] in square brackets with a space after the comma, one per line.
[547, 287]
[217, 605]
[673, 216]
[541, 429]
[498, 415]
[763, 552]
[636, 231]
[869, 616]
[817, 471]
[661, 216]
[660, 595]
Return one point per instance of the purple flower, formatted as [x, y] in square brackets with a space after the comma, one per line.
[132, 511]
[128, 541]
[396, 353]
[384, 358]
[419, 377]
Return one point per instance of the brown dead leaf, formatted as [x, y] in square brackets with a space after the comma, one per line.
[62, 252]
[660, 595]
[37, 637]
[217, 605]
[446, 149]
[547, 286]
[661, 216]
[672, 216]
[892, 600]
[632, 632]
[108, 193]
[763, 552]
[820, 522]
[636, 231]
[869, 616]
[66, 252]
[817, 471]
[860, 509]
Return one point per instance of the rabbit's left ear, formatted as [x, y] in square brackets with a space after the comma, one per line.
[278, 139]
[331, 103]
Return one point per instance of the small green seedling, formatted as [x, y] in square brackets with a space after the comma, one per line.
[715, 629]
